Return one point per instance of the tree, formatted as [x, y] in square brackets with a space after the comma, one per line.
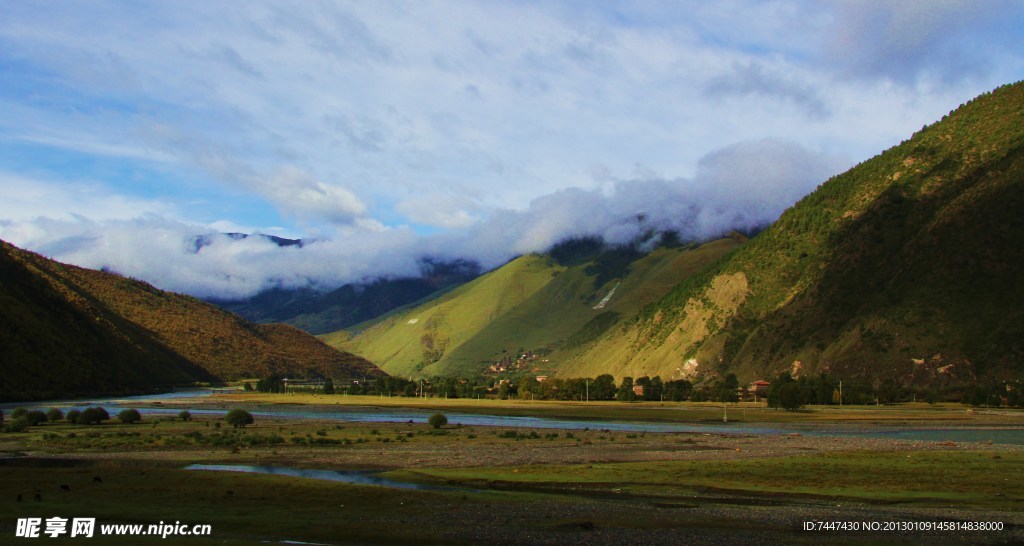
[73, 416]
[789, 397]
[328, 387]
[727, 390]
[91, 416]
[35, 417]
[603, 388]
[54, 415]
[18, 425]
[437, 420]
[625, 392]
[185, 415]
[503, 391]
[129, 416]
[271, 383]
[678, 390]
[18, 412]
[238, 418]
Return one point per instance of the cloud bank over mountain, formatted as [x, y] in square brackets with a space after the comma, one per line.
[739, 187]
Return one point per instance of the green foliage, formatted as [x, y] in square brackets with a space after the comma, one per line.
[239, 418]
[788, 397]
[328, 386]
[91, 416]
[185, 415]
[603, 387]
[20, 424]
[625, 392]
[271, 383]
[35, 417]
[54, 415]
[73, 415]
[129, 416]
[437, 420]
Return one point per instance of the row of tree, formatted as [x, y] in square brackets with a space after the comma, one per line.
[789, 393]
[784, 391]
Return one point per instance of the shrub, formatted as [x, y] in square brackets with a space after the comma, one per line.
[129, 416]
[93, 416]
[790, 397]
[54, 415]
[35, 417]
[185, 415]
[18, 412]
[73, 415]
[437, 420]
[17, 425]
[238, 418]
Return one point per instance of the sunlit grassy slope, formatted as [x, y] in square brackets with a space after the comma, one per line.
[906, 266]
[530, 304]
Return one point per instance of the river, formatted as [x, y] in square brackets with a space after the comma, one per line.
[371, 414]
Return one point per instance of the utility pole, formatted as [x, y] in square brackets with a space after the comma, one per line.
[588, 389]
[840, 393]
[725, 412]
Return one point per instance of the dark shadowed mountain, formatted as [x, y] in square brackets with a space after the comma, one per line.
[319, 312]
[71, 331]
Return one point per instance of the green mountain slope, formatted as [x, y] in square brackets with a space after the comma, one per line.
[532, 304]
[905, 267]
[73, 331]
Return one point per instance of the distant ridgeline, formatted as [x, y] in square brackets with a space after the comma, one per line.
[906, 269]
[67, 331]
[319, 312]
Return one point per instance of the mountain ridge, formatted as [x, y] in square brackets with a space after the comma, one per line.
[901, 268]
[69, 331]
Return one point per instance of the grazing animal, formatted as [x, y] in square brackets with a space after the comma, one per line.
[97, 479]
[39, 497]
[19, 497]
[65, 488]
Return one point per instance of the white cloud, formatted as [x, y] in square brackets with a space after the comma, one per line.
[506, 125]
[26, 198]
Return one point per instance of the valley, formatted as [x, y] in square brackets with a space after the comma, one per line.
[531, 485]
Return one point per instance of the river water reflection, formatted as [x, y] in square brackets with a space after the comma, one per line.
[344, 476]
[368, 414]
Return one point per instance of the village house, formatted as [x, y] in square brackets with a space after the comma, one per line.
[758, 390]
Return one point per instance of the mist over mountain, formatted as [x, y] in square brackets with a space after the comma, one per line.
[739, 187]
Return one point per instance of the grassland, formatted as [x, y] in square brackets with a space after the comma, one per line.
[532, 303]
[946, 414]
[515, 485]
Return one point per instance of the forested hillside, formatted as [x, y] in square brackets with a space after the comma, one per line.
[68, 330]
[906, 267]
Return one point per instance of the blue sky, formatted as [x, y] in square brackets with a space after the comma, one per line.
[388, 130]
